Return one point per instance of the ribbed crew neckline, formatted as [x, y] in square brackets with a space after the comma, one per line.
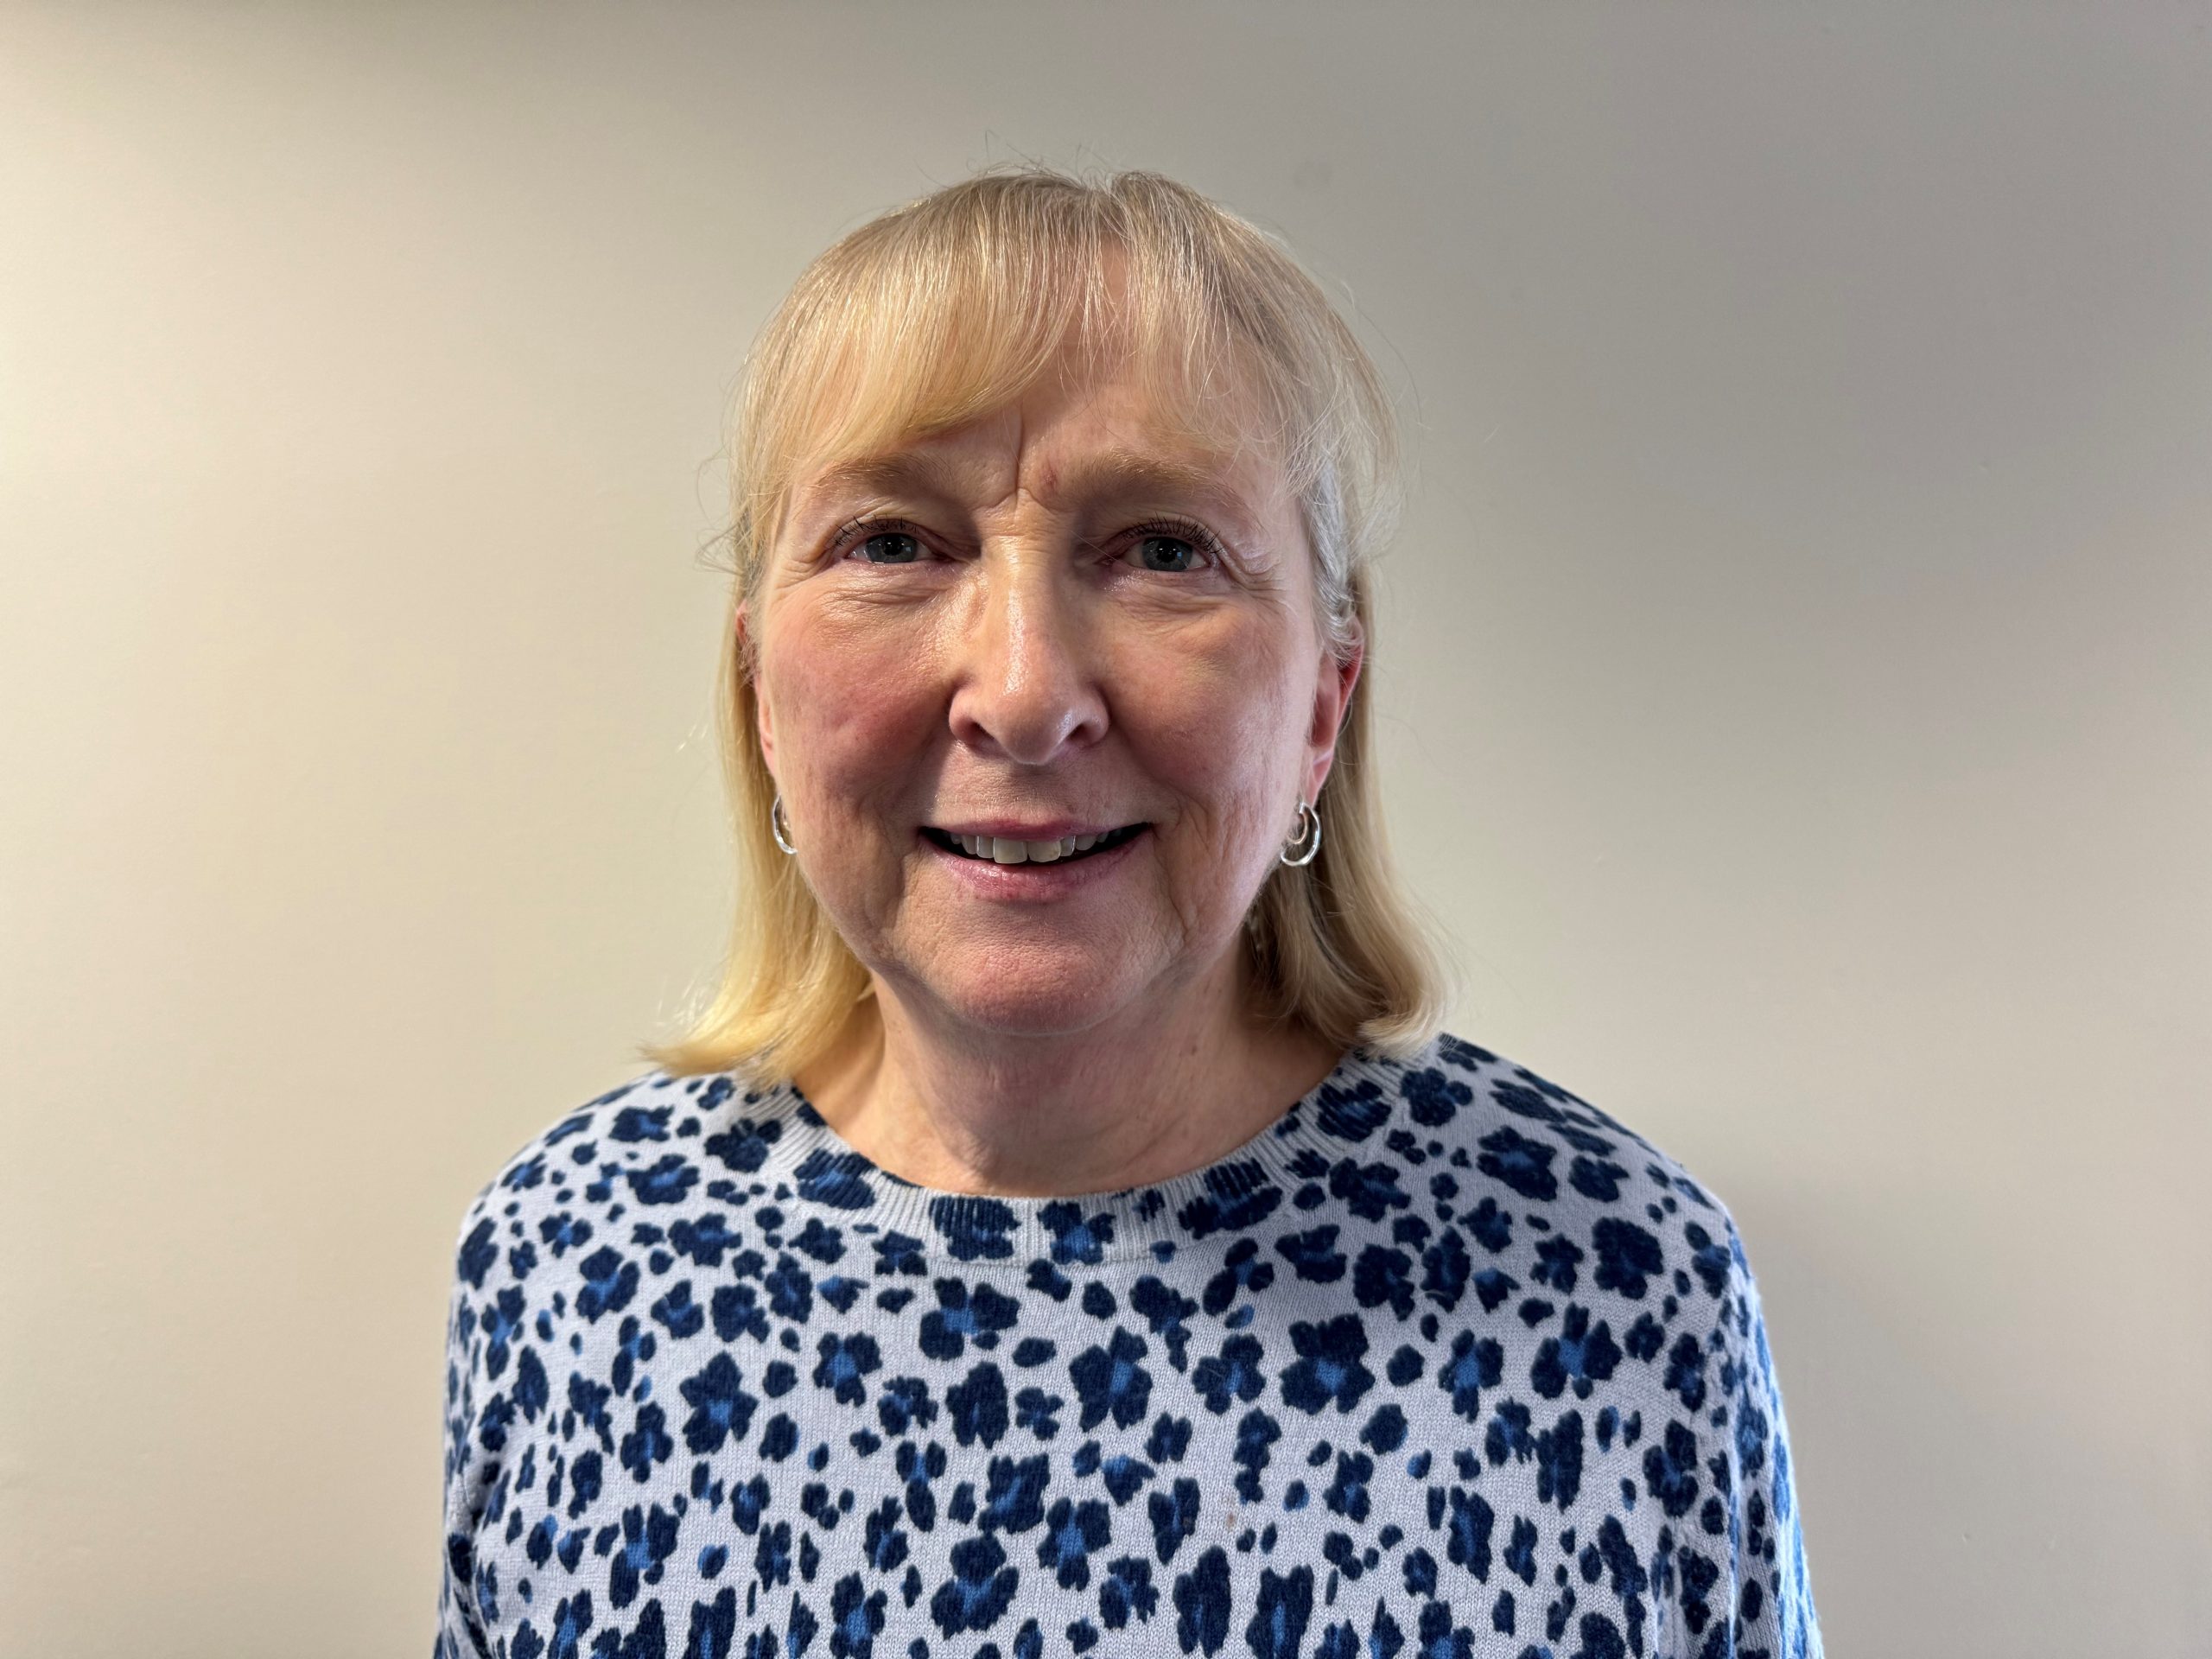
[812, 1168]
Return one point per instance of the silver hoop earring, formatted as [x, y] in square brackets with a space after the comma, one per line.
[776, 826]
[1306, 814]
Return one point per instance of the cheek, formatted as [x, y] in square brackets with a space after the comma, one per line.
[842, 723]
[1211, 711]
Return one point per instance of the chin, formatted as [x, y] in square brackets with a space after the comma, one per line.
[1035, 999]
[1026, 1016]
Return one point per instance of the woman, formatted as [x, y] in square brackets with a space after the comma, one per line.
[1068, 1230]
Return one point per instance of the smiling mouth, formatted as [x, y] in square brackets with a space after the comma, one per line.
[985, 850]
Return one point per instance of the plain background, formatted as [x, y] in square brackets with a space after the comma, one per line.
[1793, 676]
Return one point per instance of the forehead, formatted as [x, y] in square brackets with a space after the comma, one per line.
[1094, 442]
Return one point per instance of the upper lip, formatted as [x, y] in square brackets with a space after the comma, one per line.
[1040, 830]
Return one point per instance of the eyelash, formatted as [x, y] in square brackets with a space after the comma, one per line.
[854, 531]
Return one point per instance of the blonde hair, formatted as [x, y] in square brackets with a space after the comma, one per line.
[944, 310]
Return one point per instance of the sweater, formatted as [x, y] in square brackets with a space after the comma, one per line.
[1444, 1363]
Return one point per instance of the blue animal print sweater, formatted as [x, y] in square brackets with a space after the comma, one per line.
[1445, 1364]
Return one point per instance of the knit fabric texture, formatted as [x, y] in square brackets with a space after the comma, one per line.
[1444, 1363]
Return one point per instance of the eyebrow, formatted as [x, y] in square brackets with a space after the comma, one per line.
[1110, 474]
[862, 473]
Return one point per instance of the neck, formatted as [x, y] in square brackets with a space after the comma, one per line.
[1141, 1096]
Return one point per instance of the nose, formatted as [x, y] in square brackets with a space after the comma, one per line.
[1027, 687]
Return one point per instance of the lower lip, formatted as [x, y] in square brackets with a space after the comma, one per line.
[1036, 883]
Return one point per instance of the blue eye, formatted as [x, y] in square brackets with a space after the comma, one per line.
[1177, 552]
[1174, 548]
[890, 547]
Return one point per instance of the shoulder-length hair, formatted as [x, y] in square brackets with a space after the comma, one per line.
[946, 309]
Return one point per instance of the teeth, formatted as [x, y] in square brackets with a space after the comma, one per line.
[1015, 852]
[1000, 851]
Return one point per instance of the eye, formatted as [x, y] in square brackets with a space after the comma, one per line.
[879, 541]
[1171, 547]
[890, 547]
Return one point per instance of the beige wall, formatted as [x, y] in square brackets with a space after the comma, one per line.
[1794, 672]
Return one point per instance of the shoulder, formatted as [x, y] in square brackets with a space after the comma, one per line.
[637, 1145]
[1588, 1191]
[1500, 1105]
[1584, 1221]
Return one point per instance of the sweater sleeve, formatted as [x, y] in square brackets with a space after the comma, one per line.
[460, 1630]
[1741, 1585]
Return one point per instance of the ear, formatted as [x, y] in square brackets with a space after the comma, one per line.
[763, 724]
[1332, 701]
